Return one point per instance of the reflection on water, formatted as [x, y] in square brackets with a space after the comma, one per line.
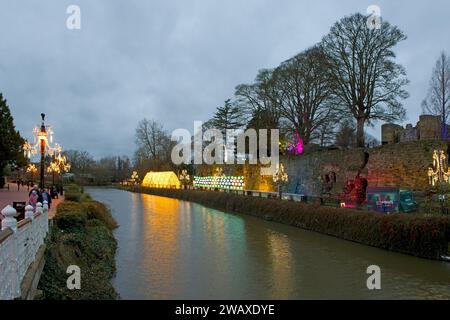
[171, 249]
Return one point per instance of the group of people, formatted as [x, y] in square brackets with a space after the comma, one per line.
[40, 195]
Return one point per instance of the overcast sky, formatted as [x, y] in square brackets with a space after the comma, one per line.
[174, 61]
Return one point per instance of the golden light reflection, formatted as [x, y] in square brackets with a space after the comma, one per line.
[282, 269]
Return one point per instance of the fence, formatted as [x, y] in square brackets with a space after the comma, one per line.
[19, 245]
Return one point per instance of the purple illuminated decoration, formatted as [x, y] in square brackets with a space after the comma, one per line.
[299, 145]
[296, 148]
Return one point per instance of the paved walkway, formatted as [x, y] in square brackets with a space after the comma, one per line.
[7, 197]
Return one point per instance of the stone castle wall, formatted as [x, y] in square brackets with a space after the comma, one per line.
[402, 164]
[428, 128]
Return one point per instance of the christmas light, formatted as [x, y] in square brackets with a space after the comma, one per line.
[220, 182]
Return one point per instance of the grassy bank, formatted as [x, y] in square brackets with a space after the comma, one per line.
[421, 236]
[81, 234]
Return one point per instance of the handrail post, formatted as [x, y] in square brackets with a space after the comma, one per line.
[10, 222]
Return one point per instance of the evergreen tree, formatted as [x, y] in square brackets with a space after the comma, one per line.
[228, 116]
[11, 142]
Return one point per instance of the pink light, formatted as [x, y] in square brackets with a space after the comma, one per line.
[299, 145]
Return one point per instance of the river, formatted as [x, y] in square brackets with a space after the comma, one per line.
[172, 249]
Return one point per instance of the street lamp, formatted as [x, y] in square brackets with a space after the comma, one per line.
[184, 178]
[43, 138]
[280, 177]
[31, 168]
[53, 168]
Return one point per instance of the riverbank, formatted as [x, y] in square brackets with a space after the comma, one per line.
[80, 235]
[425, 237]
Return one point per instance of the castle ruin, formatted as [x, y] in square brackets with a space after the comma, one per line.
[428, 128]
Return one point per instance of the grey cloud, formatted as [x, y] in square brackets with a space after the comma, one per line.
[174, 61]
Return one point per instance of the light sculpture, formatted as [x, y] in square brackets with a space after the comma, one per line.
[440, 172]
[220, 182]
[184, 177]
[280, 177]
[163, 179]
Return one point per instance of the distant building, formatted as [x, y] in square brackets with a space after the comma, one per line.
[428, 128]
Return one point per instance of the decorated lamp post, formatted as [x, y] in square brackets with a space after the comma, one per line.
[43, 139]
[53, 168]
[280, 177]
[31, 169]
[184, 178]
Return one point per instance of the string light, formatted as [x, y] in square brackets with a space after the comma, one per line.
[220, 182]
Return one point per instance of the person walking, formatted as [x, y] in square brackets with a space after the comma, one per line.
[33, 200]
[45, 196]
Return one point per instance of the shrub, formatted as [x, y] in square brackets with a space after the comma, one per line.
[70, 215]
[72, 196]
[97, 210]
[424, 236]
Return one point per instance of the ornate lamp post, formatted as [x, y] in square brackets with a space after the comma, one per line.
[31, 169]
[184, 178]
[43, 138]
[53, 168]
[280, 177]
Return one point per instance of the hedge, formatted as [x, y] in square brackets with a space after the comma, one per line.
[417, 235]
[70, 215]
[81, 235]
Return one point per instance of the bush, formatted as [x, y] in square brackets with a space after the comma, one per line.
[72, 196]
[70, 215]
[424, 236]
[99, 211]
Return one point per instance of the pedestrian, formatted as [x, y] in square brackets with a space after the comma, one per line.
[45, 196]
[54, 192]
[35, 188]
[33, 200]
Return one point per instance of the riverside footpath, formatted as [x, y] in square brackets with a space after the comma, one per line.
[7, 197]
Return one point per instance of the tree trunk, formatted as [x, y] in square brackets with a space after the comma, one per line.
[360, 143]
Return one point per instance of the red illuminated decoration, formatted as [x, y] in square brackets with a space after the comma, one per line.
[354, 192]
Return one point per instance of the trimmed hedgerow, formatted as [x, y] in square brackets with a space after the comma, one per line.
[416, 235]
[81, 235]
[98, 210]
[70, 215]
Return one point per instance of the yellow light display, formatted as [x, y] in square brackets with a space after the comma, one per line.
[439, 173]
[163, 179]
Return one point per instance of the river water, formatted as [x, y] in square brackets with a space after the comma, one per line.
[172, 249]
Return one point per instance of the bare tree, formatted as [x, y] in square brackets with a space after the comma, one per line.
[306, 92]
[153, 147]
[80, 161]
[437, 101]
[368, 83]
[260, 101]
[150, 138]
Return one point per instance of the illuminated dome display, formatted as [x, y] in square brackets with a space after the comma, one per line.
[163, 179]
